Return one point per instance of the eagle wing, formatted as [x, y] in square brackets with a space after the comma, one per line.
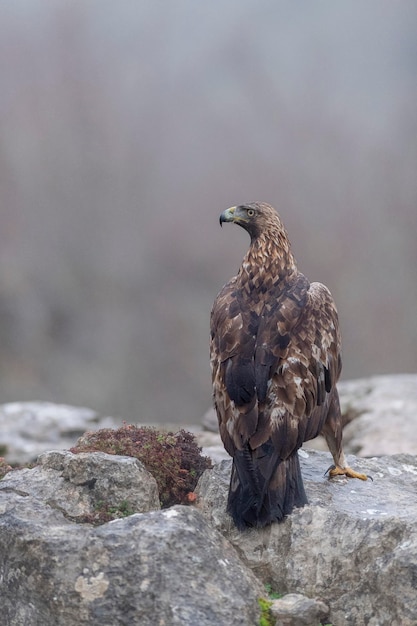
[233, 339]
[274, 367]
[302, 386]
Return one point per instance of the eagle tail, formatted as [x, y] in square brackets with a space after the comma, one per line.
[263, 487]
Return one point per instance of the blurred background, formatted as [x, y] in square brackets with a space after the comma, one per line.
[127, 127]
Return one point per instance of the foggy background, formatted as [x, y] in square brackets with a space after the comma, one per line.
[127, 127]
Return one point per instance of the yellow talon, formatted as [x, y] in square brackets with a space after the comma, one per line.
[346, 471]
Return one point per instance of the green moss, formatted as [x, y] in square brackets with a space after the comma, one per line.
[123, 510]
[273, 595]
[103, 513]
[266, 618]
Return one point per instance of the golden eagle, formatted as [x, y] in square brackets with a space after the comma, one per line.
[275, 359]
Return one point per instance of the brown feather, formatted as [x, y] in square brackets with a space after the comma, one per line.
[275, 358]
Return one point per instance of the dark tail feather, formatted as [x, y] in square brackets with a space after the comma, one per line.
[263, 488]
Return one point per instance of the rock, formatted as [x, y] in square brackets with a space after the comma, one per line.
[294, 609]
[29, 428]
[216, 453]
[80, 484]
[381, 415]
[209, 421]
[354, 546]
[158, 568]
[212, 446]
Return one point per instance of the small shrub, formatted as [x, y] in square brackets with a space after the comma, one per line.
[174, 459]
[5, 468]
[105, 513]
[272, 595]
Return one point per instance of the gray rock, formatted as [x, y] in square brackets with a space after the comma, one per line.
[216, 453]
[79, 484]
[158, 568]
[29, 428]
[354, 546]
[381, 415]
[209, 421]
[211, 445]
[294, 609]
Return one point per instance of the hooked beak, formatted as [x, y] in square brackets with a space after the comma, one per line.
[228, 215]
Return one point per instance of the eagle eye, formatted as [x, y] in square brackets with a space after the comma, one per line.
[251, 212]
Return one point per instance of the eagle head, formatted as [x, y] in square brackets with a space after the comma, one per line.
[255, 218]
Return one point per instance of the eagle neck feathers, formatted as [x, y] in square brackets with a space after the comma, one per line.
[268, 266]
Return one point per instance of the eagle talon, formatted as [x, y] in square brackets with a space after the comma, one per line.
[329, 469]
[346, 471]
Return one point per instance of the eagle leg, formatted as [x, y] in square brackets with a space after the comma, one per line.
[332, 431]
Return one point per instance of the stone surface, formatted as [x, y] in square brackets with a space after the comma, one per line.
[381, 415]
[158, 568]
[29, 428]
[79, 484]
[354, 546]
[209, 420]
[212, 446]
[294, 609]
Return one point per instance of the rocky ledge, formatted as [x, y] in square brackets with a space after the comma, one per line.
[153, 567]
[348, 558]
[354, 546]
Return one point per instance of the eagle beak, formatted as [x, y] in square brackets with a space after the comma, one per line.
[228, 215]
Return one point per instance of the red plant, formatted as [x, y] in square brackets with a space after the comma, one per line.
[174, 459]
